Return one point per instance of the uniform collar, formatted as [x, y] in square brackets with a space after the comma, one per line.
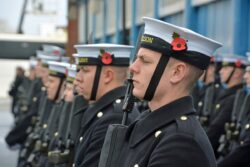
[230, 91]
[104, 101]
[79, 104]
[150, 122]
[80, 110]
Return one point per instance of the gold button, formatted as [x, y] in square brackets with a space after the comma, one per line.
[56, 134]
[44, 126]
[73, 165]
[49, 153]
[99, 115]
[44, 144]
[43, 88]
[157, 133]
[241, 142]
[34, 99]
[29, 129]
[247, 126]
[200, 104]
[217, 85]
[136, 165]
[184, 118]
[24, 108]
[80, 139]
[118, 101]
[217, 106]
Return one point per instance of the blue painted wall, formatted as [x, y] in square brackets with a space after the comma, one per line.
[227, 21]
[241, 26]
[177, 19]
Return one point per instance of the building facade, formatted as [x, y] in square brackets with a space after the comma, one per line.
[227, 21]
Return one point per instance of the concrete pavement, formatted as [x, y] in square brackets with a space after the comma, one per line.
[8, 158]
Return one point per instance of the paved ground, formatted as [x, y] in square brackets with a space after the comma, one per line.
[8, 157]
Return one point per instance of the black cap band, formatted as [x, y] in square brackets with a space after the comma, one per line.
[56, 74]
[121, 61]
[192, 57]
[233, 64]
[45, 65]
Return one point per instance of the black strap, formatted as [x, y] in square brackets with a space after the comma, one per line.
[218, 66]
[59, 88]
[205, 77]
[230, 76]
[96, 82]
[149, 94]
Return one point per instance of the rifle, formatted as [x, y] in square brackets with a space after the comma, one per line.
[42, 144]
[208, 106]
[64, 151]
[36, 132]
[232, 129]
[59, 144]
[129, 99]
[116, 133]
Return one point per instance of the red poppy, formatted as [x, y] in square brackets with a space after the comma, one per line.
[107, 58]
[56, 52]
[212, 59]
[238, 63]
[179, 44]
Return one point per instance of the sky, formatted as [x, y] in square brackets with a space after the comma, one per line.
[10, 12]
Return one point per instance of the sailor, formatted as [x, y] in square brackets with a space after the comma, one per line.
[241, 150]
[102, 73]
[231, 74]
[169, 62]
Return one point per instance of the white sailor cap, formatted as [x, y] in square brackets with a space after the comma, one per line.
[71, 73]
[234, 60]
[65, 59]
[53, 50]
[58, 69]
[45, 58]
[103, 54]
[178, 42]
[32, 62]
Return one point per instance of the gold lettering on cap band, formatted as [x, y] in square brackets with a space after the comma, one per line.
[147, 39]
[83, 60]
[70, 79]
[52, 72]
[224, 63]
